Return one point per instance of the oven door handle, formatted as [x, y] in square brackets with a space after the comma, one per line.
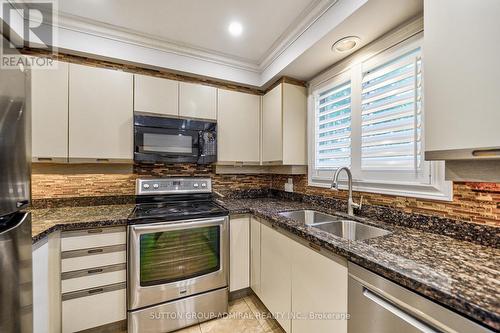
[186, 224]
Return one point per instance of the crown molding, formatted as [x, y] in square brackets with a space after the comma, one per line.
[295, 30]
[88, 38]
[103, 30]
[129, 36]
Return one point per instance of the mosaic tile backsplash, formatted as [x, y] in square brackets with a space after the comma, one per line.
[57, 181]
[473, 202]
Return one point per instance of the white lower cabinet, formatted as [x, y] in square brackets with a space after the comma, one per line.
[93, 278]
[41, 287]
[319, 290]
[239, 252]
[93, 311]
[46, 285]
[276, 277]
[305, 290]
[255, 256]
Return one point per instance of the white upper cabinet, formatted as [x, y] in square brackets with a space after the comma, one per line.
[100, 115]
[197, 101]
[49, 110]
[284, 122]
[272, 126]
[156, 95]
[294, 125]
[461, 71]
[238, 129]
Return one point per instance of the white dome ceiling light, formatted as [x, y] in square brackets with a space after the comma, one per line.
[346, 44]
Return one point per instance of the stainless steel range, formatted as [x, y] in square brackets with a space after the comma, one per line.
[178, 255]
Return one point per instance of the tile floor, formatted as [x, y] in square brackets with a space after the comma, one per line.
[246, 315]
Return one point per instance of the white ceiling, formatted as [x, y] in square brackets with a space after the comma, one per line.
[369, 22]
[199, 24]
[280, 37]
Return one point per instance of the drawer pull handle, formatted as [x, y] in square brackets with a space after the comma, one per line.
[486, 153]
[95, 291]
[95, 251]
[44, 158]
[102, 159]
[94, 231]
[94, 271]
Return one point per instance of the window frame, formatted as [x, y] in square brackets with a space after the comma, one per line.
[430, 185]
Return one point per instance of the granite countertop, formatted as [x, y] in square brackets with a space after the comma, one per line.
[45, 221]
[458, 274]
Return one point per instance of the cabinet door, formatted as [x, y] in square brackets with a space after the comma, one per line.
[156, 95]
[276, 274]
[41, 304]
[272, 126]
[294, 125]
[319, 285]
[239, 253]
[100, 309]
[100, 115]
[255, 256]
[461, 82]
[49, 112]
[238, 127]
[197, 101]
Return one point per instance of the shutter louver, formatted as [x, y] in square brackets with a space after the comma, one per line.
[333, 127]
[391, 115]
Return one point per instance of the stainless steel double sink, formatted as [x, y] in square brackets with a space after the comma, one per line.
[335, 225]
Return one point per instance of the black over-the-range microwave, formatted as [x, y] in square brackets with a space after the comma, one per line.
[172, 140]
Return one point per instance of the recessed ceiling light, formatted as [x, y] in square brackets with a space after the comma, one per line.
[346, 44]
[235, 28]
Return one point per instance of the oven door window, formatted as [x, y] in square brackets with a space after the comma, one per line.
[177, 255]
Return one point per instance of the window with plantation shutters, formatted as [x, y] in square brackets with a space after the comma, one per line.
[391, 114]
[333, 127]
[368, 116]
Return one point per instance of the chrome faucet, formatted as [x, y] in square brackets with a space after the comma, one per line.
[335, 186]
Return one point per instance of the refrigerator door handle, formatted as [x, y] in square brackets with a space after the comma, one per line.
[21, 221]
[22, 203]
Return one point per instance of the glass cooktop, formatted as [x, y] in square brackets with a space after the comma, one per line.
[179, 210]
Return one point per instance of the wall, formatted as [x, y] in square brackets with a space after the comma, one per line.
[56, 181]
[473, 202]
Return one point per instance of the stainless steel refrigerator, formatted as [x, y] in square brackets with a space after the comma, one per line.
[16, 296]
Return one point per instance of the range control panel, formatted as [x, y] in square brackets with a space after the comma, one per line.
[173, 186]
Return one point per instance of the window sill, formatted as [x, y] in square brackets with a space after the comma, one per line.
[441, 192]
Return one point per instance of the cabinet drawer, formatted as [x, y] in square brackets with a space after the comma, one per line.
[93, 261]
[84, 239]
[102, 308]
[93, 277]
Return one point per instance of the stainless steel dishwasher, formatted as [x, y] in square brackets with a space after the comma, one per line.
[377, 305]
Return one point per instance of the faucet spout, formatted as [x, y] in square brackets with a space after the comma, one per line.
[335, 186]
